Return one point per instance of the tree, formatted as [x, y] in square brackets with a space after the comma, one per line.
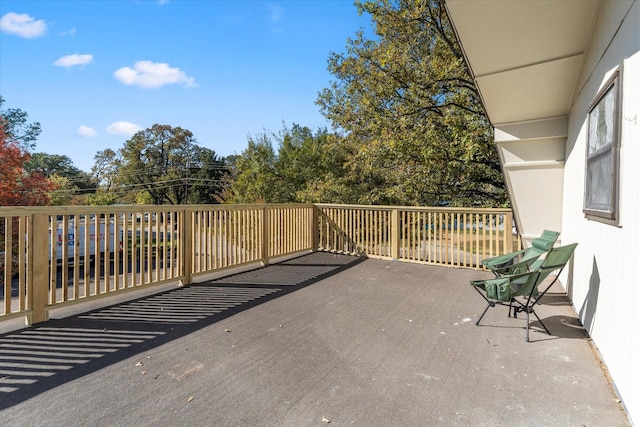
[104, 175]
[167, 163]
[64, 190]
[412, 121]
[101, 198]
[17, 129]
[205, 177]
[17, 186]
[302, 163]
[253, 172]
[104, 171]
[70, 182]
[55, 164]
[309, 166]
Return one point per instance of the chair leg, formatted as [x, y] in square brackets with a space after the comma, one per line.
[491, 304]
[540, 320]
[516, 306]
[530, 310]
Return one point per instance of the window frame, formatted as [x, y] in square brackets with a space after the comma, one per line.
[611, 214]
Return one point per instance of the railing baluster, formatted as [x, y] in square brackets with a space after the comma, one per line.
[23, 293]
[7, 262]
[76, 256]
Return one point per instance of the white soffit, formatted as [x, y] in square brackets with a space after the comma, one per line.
[533, 92]
[525, 54]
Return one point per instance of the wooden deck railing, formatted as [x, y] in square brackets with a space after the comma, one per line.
[56, 256]
[457, 237]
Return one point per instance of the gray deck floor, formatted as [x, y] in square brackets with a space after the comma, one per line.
[320, 338]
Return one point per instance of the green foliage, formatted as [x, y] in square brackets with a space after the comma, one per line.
[292, 174]
[143, 198]
[411, 129]
[165, 163]
[101, 198]
[104, 171]
[254, 177]
[17, 129]
[64, 190]
[414, 129]
[70, 182]
[206, 170]
[303, 161]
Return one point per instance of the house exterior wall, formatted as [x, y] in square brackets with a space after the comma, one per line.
[603, 281]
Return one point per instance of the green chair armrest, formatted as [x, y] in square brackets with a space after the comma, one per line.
[501, 260]
[523, 266]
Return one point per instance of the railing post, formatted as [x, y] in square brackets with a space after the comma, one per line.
[38, 267]
[508, 227]
[395, 234]
[264, 244]
[186, 246]
[315, 228]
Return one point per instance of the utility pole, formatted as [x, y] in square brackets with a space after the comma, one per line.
[186, 182]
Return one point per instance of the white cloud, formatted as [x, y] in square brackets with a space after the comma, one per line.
[276, 12]
[22, 25]
[72, 32]
[123, 128]
[86, 131]
[149, 74]
[277, 18]
[75, 59]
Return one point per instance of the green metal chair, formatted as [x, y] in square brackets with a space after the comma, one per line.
[521, 261]
[520, 291]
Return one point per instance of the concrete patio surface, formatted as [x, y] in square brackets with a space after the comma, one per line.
[322, 339]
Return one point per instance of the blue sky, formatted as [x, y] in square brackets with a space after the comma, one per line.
[94, 72]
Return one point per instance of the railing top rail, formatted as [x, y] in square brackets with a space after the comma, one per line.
[251, 206]
[6, 211]
[415, 208]
[80, 210]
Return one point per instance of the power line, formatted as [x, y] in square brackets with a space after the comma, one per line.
[156, 184]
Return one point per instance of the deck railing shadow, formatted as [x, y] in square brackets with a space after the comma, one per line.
[39, 358]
